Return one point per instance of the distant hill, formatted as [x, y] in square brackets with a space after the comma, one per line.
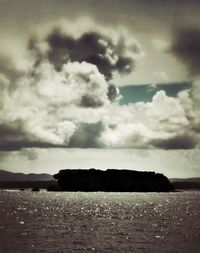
[192, 179]
[186, 183]
[7, 176]
[21, 180]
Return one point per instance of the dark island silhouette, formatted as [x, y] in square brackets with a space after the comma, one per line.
[111, 180]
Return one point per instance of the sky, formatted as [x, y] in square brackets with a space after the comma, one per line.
[104, 84]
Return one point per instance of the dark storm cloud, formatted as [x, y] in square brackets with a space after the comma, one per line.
[177, 142]
[9, 132]
[186, 47]
[15, 144]
[91, 47]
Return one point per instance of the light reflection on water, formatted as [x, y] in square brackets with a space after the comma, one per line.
[99, 222]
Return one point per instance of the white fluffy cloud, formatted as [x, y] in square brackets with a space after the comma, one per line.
[156, 123]
[71, 108]
[36, 102]
[64, 98]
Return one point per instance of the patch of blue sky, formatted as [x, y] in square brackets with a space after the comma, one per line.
[144, 93]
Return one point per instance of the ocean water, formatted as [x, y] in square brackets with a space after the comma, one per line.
[99, 222]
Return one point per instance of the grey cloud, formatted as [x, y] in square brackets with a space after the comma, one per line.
[15, 144]
[178, 142]
[90, 101]
[10, 132]
[186, 47]
[113, 92]
[8, 69]
[91, 47]
[87, 135]
[14, 137]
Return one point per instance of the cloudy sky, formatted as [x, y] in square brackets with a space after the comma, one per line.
[104, 84]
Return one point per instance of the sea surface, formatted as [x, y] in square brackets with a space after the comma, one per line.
[99, 222]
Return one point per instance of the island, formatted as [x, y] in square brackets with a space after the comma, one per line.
[111, 180]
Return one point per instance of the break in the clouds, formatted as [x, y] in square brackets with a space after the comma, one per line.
[65, 96]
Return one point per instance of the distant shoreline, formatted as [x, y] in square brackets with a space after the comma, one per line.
[10, 180]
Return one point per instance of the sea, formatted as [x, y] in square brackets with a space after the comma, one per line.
[65, 222]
